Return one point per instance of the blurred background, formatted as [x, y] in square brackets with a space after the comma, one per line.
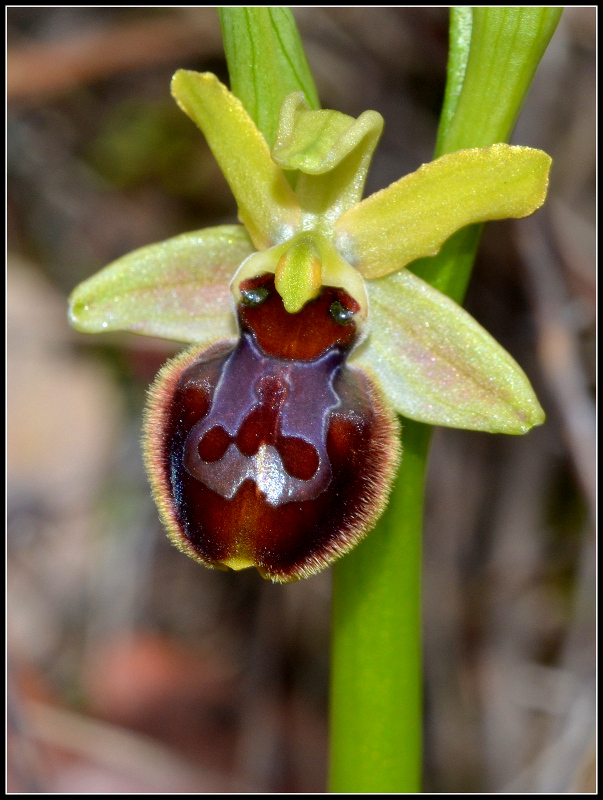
[130, 667]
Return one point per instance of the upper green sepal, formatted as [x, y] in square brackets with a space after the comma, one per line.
[332, 151]
[438, 365]
[178, 289]
[317, 141]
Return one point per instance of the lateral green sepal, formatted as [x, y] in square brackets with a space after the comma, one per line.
[438, 365]
[178, 289]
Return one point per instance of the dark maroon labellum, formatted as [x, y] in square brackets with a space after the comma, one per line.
[271, 451]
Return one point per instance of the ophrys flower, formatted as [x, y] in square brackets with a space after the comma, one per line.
[277, 448]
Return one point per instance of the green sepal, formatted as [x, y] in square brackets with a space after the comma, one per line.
[414, 216]
[438, 365]
[178, 289]
[332, 150]
[267, 206]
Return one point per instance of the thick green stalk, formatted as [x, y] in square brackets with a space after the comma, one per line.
[376, 680]
[376, 674]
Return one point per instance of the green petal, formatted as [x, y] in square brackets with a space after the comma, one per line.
[267, 206]
[413, 217]
[439, 366]
[332, 150]
[177, 289]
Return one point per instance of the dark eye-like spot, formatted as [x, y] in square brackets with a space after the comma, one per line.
[254, 297]
[214, 444]
[340, 313]
[300, 459]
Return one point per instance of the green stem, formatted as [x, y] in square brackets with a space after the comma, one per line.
[376, 647]
[376, 681]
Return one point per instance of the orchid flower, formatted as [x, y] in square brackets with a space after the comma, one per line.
[273, 441]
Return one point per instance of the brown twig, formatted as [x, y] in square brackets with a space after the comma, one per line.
[559, 354]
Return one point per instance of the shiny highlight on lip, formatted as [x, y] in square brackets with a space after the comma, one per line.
[270, 451]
